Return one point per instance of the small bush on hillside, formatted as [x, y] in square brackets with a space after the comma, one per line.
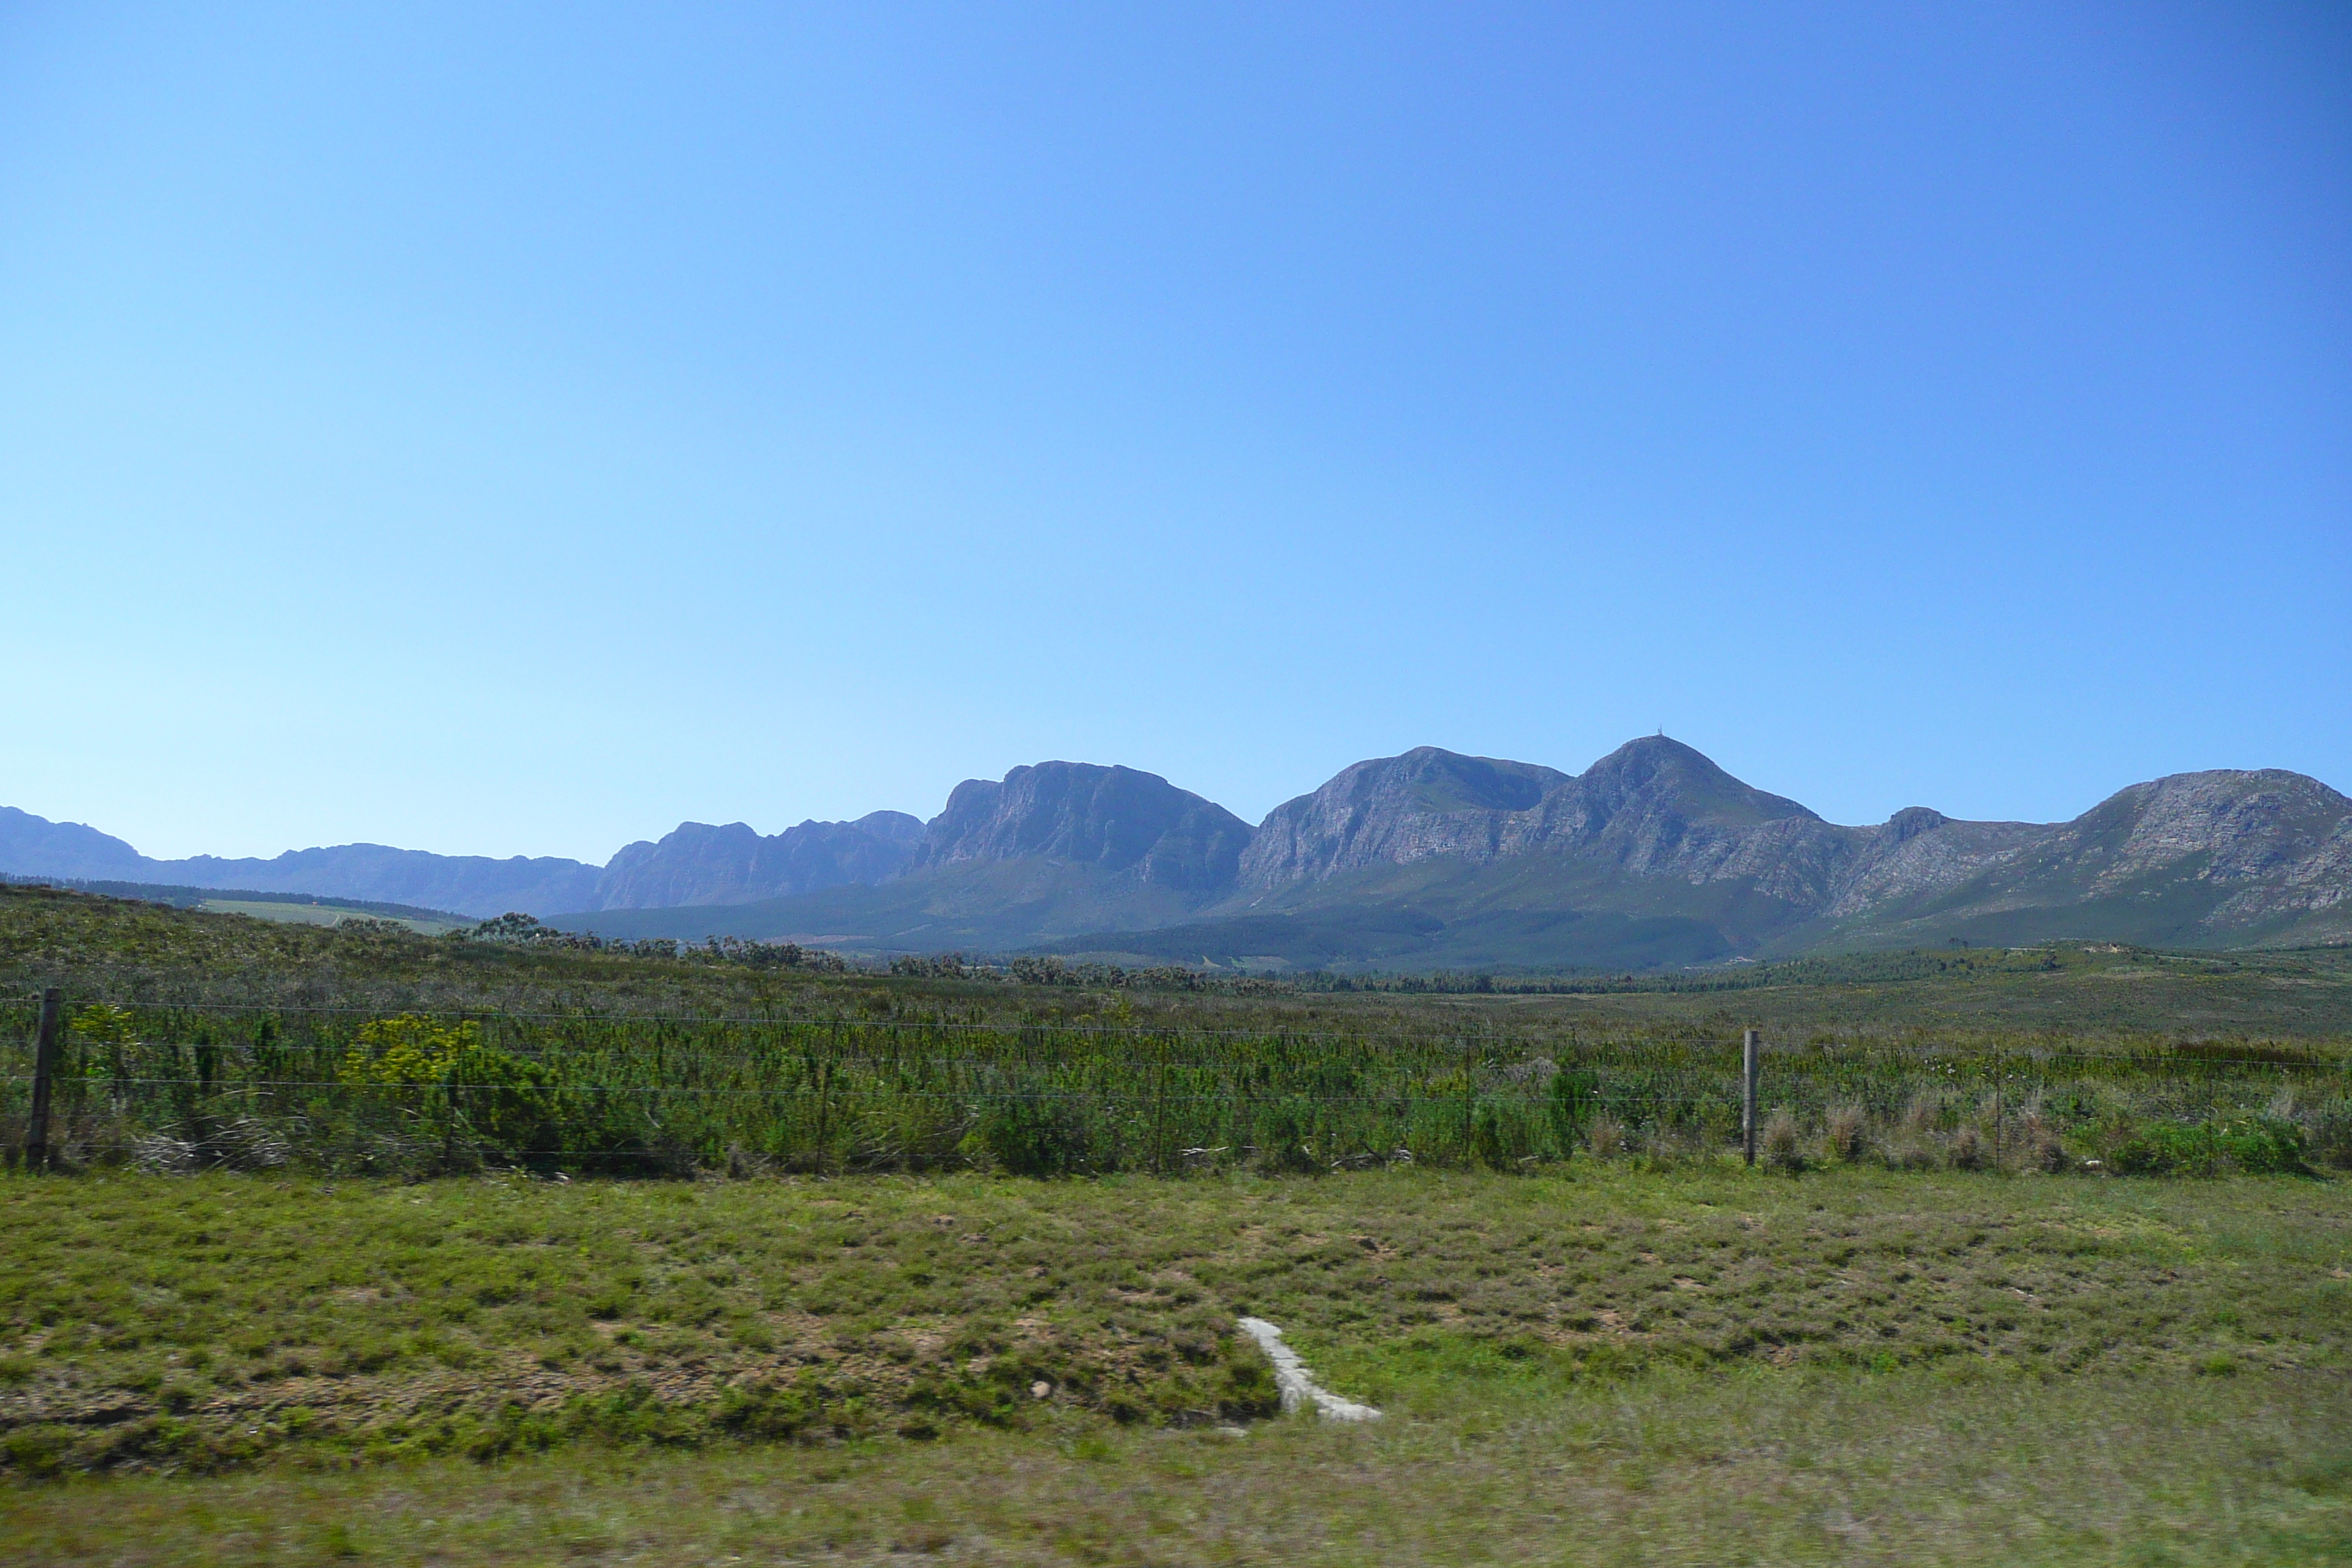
[1967, 1150]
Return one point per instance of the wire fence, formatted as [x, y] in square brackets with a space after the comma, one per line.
[194, 1087]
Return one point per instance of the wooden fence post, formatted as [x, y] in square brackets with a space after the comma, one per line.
[44, 1076]
[1751, 1049]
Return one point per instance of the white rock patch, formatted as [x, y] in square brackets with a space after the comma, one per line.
[1290, 1375]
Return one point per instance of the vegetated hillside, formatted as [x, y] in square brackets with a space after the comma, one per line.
[197, 898]
[116, 950]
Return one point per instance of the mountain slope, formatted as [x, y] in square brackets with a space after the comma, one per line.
[36, 847]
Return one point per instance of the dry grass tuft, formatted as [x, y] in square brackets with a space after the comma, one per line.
[1606, 1137]
[1849, 1134]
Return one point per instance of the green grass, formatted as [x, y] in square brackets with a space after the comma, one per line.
[1620, 1367]
[208, 1323]
[1772, 1468]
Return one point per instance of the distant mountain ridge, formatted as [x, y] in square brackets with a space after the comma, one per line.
[694, 864]
[468, 884]
[1653, 855]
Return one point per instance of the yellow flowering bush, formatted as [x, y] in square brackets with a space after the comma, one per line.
[409, 1049]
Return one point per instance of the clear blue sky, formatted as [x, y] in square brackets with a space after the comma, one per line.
[504, 429]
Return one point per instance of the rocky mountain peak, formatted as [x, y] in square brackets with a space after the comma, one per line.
[1424, 803]
[1116, 818]
[1912, 821]
[1655, 773]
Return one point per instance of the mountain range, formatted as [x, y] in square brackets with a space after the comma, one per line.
[1652, 856]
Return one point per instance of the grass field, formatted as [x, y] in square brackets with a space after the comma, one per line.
[322, 915]
[1771, 1468]
[1710, 1364]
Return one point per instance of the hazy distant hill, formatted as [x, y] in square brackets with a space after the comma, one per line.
[694, 864]
[469, 884]
[699, 864]
[1651, 856]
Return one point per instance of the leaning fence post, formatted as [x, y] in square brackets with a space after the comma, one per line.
[45, 1076]
[1751, 1048]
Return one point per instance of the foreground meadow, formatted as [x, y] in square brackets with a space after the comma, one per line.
[1610, 1364]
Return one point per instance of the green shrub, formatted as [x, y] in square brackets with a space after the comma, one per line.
[1283, 1133]
[1249, 1392]
[36, 1451]
[2262, 1144]
[2255, 1144]
[1030, 1136]
[1571, 1103]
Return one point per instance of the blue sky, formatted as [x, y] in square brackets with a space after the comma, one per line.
[518, 432]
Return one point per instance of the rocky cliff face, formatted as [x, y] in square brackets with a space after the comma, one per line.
[2238, 849]
[1116, 819]
[700, 864]
[2232, 850]
[1394, 810]
[1654, 807]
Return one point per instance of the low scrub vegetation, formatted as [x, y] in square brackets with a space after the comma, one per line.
[189, 1087]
